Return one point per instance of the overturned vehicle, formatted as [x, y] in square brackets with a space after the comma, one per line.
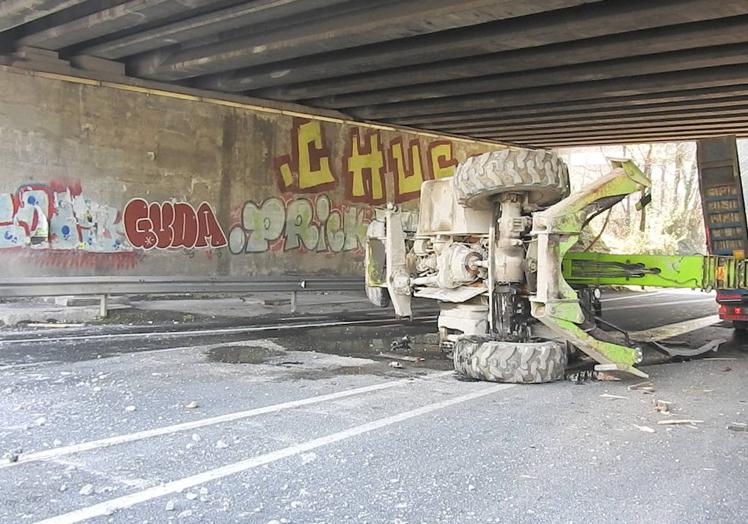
[493, 245]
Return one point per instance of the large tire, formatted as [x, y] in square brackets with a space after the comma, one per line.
[513, 362]
[540, 173]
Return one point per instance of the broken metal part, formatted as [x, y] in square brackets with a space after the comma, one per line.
[712, 345]
[612, 326]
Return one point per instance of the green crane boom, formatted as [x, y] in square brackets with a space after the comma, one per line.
[692, 271]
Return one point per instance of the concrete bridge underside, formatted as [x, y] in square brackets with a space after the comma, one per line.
[536, 72]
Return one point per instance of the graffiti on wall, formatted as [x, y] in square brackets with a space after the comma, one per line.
[61, 217]
[163, 225]
[366, 161]
[299, 224]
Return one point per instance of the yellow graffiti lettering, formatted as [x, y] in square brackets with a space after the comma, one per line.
[408, 178]
[442, 161]
[365, 166]
[286, 175]
[314, 160]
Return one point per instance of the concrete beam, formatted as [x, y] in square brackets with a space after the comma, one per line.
[621, 133]
[373, 22]
[590, 21]
[594, 129]
[632, 119]
[638, 43]
[14, 13]
[634, 139]
[654, 112]
[650, 85]
[100, 23]
[673, 98]
[241, 16]
[636, 66]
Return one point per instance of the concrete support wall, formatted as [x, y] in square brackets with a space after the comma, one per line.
[102, 179]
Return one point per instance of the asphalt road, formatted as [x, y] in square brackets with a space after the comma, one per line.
[315, 428]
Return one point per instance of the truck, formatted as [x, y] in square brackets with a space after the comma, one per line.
[494, 246]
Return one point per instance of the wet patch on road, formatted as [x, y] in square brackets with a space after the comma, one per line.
[316, 354]
[240, 354]
[411, 347]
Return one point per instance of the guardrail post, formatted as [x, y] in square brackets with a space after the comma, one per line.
[103, 306]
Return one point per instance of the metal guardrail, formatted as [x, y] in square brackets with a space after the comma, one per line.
[103, 286]
[117, 285]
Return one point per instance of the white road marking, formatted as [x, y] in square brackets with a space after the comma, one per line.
[628, 297]
[660, 304]
[174, 334]
[185, 426]
[673, 330]
[127, 501]
[29, 365]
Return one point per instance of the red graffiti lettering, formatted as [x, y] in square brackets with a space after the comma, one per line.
[169, 225]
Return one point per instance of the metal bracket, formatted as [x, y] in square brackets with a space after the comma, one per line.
[398, 280]
[557, 229]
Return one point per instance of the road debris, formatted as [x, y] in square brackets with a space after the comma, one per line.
[646, 386]
[192, 405]
[645, 429]
[395, 364]
[679, 422]
[170, 505]
[130, 408]
[712, 345]
[87, 489]
[12, 456]
[402, 344]
[221, 445]
[662, 406]
[406, 358]
[614, 397]
[738, 426]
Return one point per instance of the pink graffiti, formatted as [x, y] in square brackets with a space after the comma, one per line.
[169, 225]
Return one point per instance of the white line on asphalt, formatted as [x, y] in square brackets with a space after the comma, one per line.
[185, 426]
[29, 365]
[127, 501]
[627, 297]
[660, 304]
[675, 329]
[174, 334]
